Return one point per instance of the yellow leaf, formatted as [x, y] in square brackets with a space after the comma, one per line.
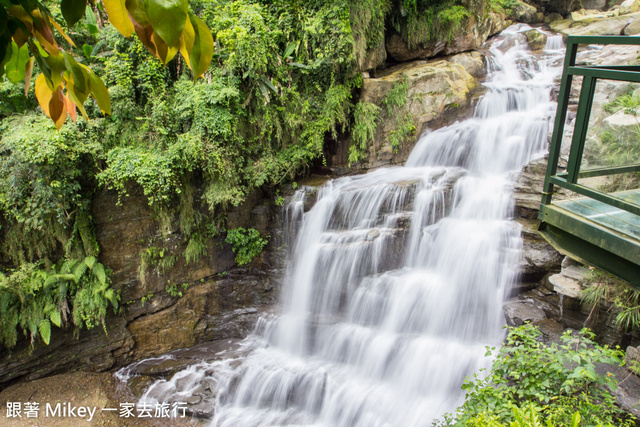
[43, 93]
[186, 41]
[119, 16]
[61, 31]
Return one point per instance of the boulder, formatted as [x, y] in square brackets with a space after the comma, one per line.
[552, 17]
[523, 12]
[536, 39]
[436, 89]
[597, 25]
[473, 62]
[518, 313]
[629, 6]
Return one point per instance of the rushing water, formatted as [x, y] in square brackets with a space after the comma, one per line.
[397, 277]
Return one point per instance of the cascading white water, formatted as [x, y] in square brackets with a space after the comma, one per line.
[397, 277]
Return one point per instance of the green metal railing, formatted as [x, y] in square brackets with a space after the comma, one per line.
[569, 179]
[613, 251]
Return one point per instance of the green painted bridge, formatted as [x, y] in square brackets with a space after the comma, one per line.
[598, 223]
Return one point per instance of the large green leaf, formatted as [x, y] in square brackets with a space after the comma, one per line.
[202, 51]
[167, 17]
[98, 270]
[45, 330]
[90, 261]
[80, 77]
[92, 23]
[72, 10]
[99, 92]
[16, 65]
[80, 270]
[56, 319]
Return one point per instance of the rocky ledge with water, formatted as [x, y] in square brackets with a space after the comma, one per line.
[397, 277]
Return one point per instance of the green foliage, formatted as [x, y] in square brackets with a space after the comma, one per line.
[280, 85]
[397, 96]
[157, 258]
[502, 5]
[367, 20]
[550, 383]
[32, 298]
[603, 289]
[420, 21]
[246, 244]
[146, 298]
[405, 127]
[364, 130]
[176, 290]
[195, 248]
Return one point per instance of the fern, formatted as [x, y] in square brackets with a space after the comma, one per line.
[33, 298]
[195, 248]
[364, 130]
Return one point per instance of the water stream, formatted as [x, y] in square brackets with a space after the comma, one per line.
[397, 277]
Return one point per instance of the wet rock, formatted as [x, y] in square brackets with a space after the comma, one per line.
[191, 400]
[536, 39]
[204, 409]
[566, 285]
[552, 17]
[538, 256]
[209, 384]
[518, 313]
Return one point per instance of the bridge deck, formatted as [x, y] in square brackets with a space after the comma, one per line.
[596, 233]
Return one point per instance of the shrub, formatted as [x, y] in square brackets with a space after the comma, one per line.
[553, 382]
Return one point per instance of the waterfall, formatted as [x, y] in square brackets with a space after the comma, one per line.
[397, 277]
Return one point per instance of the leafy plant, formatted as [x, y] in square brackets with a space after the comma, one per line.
[146, 298]
[175, 290]
[603, 288]
[549, 382]
[33, 298]
[246, 244]
[365, 124]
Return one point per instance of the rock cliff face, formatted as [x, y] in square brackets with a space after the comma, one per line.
[438, 91]
[219, 301]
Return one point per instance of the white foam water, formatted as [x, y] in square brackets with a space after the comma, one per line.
[397, 277]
